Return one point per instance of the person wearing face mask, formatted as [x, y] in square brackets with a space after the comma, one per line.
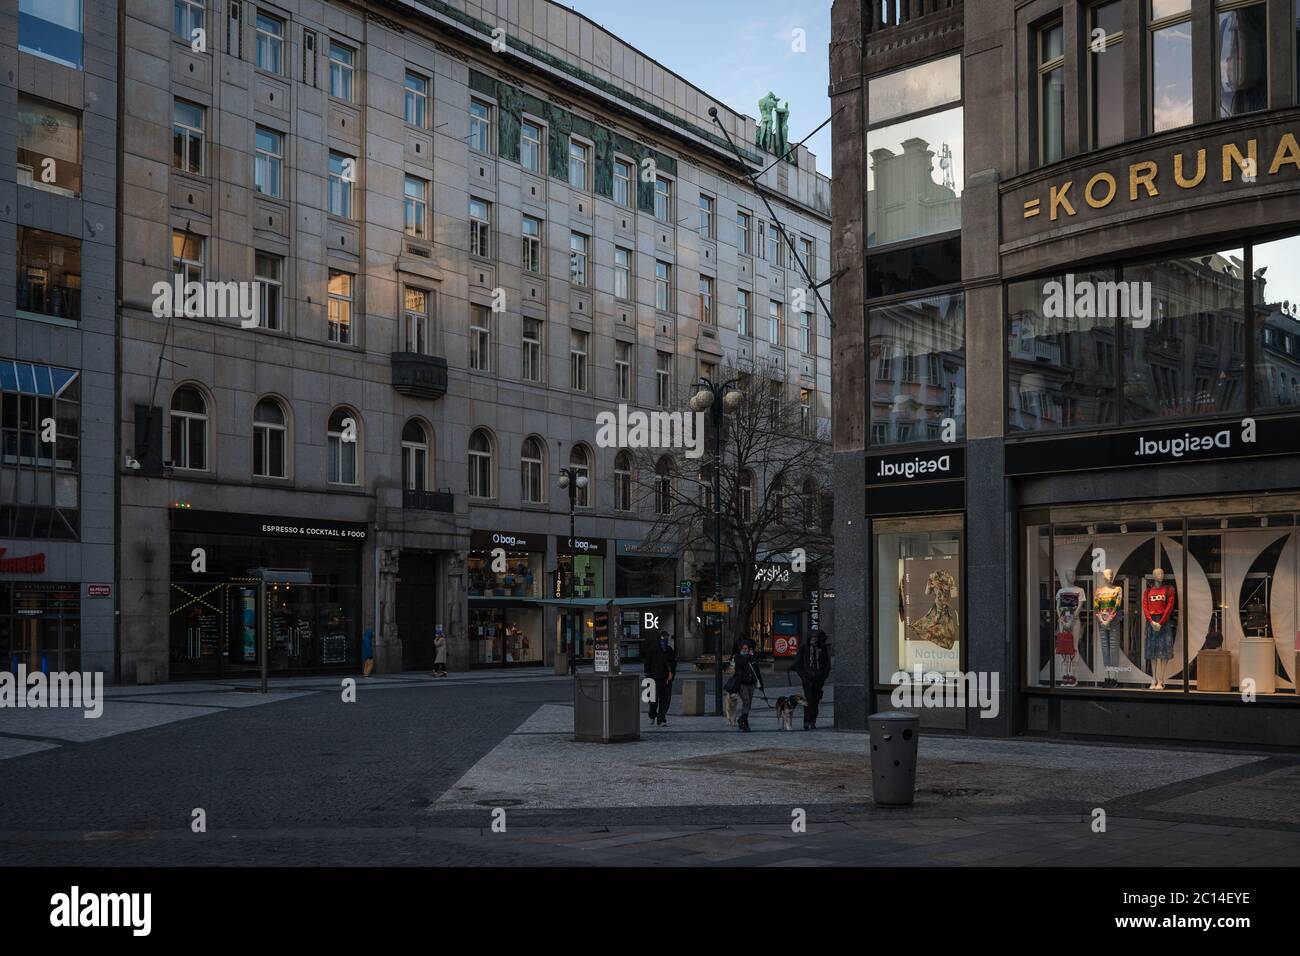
[813, 665]
[745, 677]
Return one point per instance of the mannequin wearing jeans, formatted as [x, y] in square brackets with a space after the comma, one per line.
[1107, 601]
[1158, 610]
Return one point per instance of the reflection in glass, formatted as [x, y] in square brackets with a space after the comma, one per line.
[1277, 323]
[919, 601]
[918, 369]
[1243, 60]
[1108, 76]
[1190, 359]
[1171, 76]
[914, 89]
[1061, 368]
[1168, 8]
[915, 178]
[49, 146]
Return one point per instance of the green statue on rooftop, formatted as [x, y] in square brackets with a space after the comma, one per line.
[774, 125]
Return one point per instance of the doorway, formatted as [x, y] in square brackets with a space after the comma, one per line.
[417, 608]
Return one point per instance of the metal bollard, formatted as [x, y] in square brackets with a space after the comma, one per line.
[894, 738]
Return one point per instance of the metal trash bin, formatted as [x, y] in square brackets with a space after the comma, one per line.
[894, 738]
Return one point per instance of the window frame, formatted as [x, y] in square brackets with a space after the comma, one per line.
[579, 360]
[340, 329]
[262, 440]
[480, 229]
[272, 162]
[272, 42]
[346, 71]
[186, 439]
[270, 291]
[188, 136]
[415, 209]
[480, 338]
[417, 97]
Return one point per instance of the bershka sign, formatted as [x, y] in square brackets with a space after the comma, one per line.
[510, 540]
[28, 564]
[942, 465]
[1244, 438]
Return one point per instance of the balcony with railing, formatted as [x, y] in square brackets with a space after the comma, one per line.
[890, 14]
[441, 501]
[419, 376]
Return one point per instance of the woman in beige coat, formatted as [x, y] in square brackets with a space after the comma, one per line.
[439, 655]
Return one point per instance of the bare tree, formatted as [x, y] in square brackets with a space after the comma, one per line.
[773, 486]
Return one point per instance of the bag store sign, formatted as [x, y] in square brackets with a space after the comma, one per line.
[1191, 165]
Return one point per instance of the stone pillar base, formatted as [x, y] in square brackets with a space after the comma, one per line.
[388, 658]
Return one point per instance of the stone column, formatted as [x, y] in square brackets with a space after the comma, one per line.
[388, 644]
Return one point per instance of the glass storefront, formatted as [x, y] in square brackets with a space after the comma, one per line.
[580, 573]
[919, 608]
[505, 635]
[505, 572]
[1190, 597]
[40, 626]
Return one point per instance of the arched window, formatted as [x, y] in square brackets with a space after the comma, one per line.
[532, 469]
[343, 448]
[580, 462]
[270, 430]
[622, 482]
[189, 429]
[415, 457]
[746, 489]
[664, 486]
[481, 467]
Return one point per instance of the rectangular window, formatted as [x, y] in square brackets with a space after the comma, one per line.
[342, 175]
[577, 165]
[480, 338]
[623, 370]
[39, 472]
[1277, 321]
[268, 162]
[480, 127]
[707, 228]
[663, 286]
[532, 349]
[187, 17]
[270, 43]
[1106, 68]
[51, 29]
[187, 137]
[760, 239]
[805, 412]
[416, 106]
[269, 270]
[578, 258]
[187, 256]
[774, 245]
[919, 587]
[532, 245]
[806, 339]
[902, 337]
[1171, 64]
[916, 149]
[1242, 36]
[340, 307]
[415, 207]
[341, 70]
[623, 183]
[480, 228]
[622, 273]
[1051, 93]
[530, 147]
[49, 146]
[49, 274]
[744, 225]
[664, 379]
[578, 360]
[663, 200]
[742, 312]
[775, 321]
[415, 321]
[808, 255]
[707, 315]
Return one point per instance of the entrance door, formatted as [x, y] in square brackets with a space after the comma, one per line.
[417, 606]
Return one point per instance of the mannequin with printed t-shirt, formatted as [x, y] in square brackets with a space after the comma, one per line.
[1158, 612]
[1069, 608]
[1107, 605]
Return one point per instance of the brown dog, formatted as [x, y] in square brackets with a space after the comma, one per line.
[785, 708]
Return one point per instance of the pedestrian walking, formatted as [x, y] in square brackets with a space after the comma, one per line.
[745, 677]
[439, 654]
[813, 665]
[661, 667]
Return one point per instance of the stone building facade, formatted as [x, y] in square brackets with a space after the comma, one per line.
[1064, 423]
[58, 387]
[471, 234]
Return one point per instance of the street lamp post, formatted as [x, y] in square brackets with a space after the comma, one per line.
[572, 479]
[717, 400]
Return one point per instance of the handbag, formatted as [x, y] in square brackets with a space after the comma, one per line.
[732, 686]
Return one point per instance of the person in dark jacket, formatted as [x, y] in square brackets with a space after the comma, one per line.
[813, 665]
[744, 660]
[661, 666]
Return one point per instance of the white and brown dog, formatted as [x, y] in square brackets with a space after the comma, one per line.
[785, 708]
[731, 707]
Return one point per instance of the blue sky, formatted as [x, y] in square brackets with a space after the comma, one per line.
[736, 50]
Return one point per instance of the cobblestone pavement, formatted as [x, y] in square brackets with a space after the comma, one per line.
[412, 775]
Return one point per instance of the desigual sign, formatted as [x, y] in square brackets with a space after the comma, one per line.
[1192, 165]
[922, 466]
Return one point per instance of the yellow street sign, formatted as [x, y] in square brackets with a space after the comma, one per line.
[716, 607]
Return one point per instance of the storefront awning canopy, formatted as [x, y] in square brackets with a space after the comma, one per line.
[617, 602]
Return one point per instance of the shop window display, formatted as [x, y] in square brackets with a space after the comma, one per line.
[919, 597]
[1197, 599]
[519, 577]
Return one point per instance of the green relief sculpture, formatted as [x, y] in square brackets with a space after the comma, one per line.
[510, 115]
[560, 123]
[604, 140]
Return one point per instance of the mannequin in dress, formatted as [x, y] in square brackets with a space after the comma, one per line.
[1107, 603]
[1158, 611]
[1069, 606]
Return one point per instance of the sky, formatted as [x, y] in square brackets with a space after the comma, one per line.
[736, 51]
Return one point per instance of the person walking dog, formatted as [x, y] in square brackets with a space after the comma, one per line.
[813, 665]
[745, 677]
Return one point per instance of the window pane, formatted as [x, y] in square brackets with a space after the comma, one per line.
[1107, 96]
[1243, 60]
[918, 602]
[1052, 93]
[1190, 359]
[915, 89]
[1277, 323]
[1168, 8]
[918, 165]
[49, 146]
[1171, 77]
[1060, 370]
[51, 29]
[918, 367]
